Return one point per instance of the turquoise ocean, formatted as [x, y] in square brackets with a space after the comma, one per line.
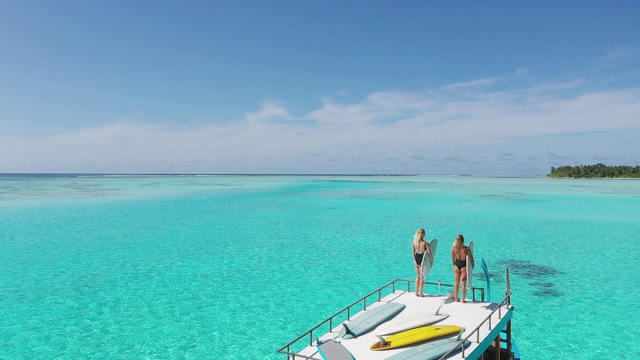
[234, 267]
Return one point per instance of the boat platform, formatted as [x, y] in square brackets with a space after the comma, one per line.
[487, 325]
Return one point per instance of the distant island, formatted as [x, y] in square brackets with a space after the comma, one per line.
[595, 171]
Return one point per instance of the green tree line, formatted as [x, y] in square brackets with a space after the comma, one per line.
[596, 171]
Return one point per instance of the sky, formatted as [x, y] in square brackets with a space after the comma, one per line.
[318, 87]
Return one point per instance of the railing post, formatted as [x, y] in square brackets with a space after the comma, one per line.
[508, 287]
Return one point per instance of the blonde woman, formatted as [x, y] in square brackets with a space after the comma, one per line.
[418, 248]
[459, 254]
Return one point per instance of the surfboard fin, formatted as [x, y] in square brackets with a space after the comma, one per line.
[382, 340]
[438, 311]
[459, 338]
[347, 330]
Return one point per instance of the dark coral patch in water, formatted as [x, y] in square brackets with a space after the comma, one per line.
[548, 292]
[495, 277]
[539, 273]
[545, 289]
[528, 269]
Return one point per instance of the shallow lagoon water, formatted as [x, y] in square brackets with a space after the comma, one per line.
[236, 266]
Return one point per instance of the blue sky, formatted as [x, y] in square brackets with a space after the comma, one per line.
[340, 87]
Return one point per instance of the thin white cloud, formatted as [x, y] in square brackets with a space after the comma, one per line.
[618, 55]
[555, 88]
[406, 126]
[270, 110]
[474, 84]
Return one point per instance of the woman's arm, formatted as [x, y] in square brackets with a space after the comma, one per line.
[413, 256]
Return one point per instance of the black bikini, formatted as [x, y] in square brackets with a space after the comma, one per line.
[418, 258]
[461, 263]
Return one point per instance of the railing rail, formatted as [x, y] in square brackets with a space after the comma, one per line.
[287, 348]
[505, 302]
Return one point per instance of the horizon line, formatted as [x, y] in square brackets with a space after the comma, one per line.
[252, 174]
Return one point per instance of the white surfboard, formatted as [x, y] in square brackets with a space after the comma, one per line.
[369, 320]
[427, 264]
[333, 350]
[431, 350]
[411, 322]
[470, 266]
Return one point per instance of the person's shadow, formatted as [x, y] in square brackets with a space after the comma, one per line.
[449, 300]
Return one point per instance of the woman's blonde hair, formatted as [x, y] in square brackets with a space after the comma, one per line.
[459, 243]
[417, 237]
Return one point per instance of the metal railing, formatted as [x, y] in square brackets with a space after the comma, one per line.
[363, 300]
[506, 302]
[473, 289]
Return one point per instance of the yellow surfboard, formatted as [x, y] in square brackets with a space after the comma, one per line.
[416, 335]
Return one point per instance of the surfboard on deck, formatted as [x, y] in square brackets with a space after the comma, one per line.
[333, 350]
[427, 263]
[414, 336]
[369, 320]
[431, 350]
[400, 324]
[470, 266]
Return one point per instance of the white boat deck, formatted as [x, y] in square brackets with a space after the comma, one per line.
[482, 321]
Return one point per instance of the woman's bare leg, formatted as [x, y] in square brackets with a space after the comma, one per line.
[456, 276]
[464, 284]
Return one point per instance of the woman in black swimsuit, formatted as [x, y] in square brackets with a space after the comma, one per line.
[459, 254]
[418, 249]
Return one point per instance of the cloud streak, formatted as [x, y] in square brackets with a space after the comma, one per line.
[619, 55]
[459, 128]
